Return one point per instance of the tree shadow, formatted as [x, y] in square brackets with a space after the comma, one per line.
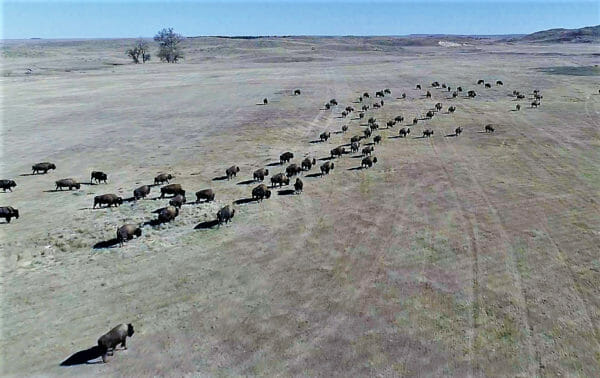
[286, 192]
[219, 178]
[83, 357]
[246, 182]
[243, 201]
[206, 225]
[106, 244]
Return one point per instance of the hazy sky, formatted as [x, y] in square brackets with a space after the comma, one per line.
[109, 18]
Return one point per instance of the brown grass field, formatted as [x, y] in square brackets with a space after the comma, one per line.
[476, 255]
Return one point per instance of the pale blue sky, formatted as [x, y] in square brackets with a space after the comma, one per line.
[113, 19]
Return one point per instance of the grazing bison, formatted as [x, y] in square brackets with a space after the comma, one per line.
[108, 200]
[308, 163]
[354, 146]
[42, 167]
[298, 186]
[451, 109]
[458, 131]
[480, 81]
[98, 176]
[344, 128]
[8, 212]
[379, 94]
[259, 174]
[127, 232]
[67, 183]
[367, 132]
[415, 120]
[7, 184]
[118, 335]
[232, 171]
[430, 114]
[377, 139]
[518, 107]
[403, 132]
[368, 150]
[162, 178]
[499, 82]
[297, 92]
[225, 215]
[293, 170]
[287, 156]
[399, 119]
[427, 133]
[324, 136]
[280, 179]
[325, 168]
[418, 86]
[338, 151]
[387, 90]
[265, 101]
[471, 94]
[173, 189]
[368, 162]
[178, 201]
[489, 129]
[428, 94]
[207, 195]
[167, 214]
[141, 192]
[488, 85]
[261, 192]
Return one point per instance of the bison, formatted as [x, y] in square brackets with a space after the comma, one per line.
[324, 136]
[489, 129]
[293, 170]
[42, 167]
[428, 94]
[280, 179]
[325, 168]
[377, 139]
[261, 192]
[379, 94]
[98, 176]
[141, 192]
[488, 85]
[354, 146]
[418, 86]
[265, 101]
[173, 189]
[67, 183]
[108, 200]
[286, 157]
[118, 335]
[368, 150]
[368, 162]
[297, 92]
[225, 215]
[127, 232]
[480, 81]
[298, 186]
[207, 195]
[458, 131]
[178, 201]
[451, 109]
[232, 171]
[307, 163]
[338, 151]
[7, 184]
[499, 82]
[8, 212]
[162, 178]
[518, 107]
[427, 133]
[260, 174]
[399, 118]
[344, 128]
[167, 214]
[403, 132]
[471, 94]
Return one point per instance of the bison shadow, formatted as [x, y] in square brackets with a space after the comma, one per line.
[356, 157]
[395, 137]
[274, 164]
[219, 178]
[130, 199]
[206, 225]
[450, 135]
[106, 244]
[370, 144]
[325, 158]
[31, 174]
[83, 357]
[246, 182]
[88, 183]
[286, 192]
[316, 141]
[243, 201]
[154, 222]
[355, 168]
[318, 174]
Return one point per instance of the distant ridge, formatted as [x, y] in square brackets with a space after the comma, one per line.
[588, 34]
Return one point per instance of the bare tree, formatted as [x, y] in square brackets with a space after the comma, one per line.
[139, 50]
[169, 45]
